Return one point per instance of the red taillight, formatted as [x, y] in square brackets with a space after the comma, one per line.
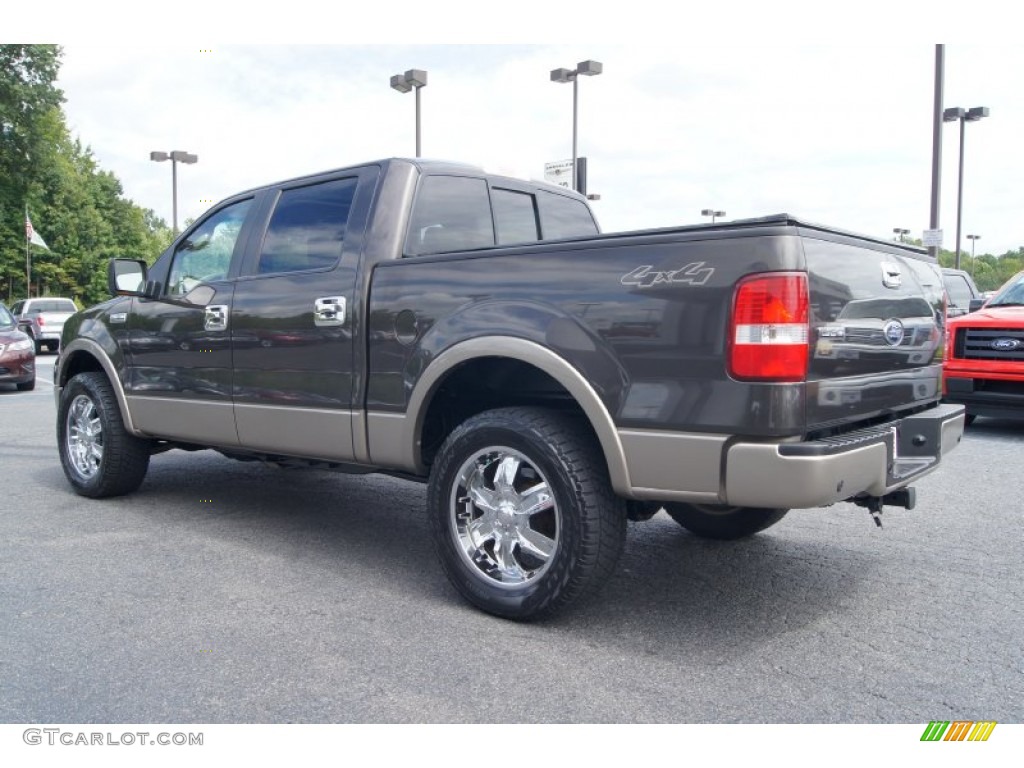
[768, 334]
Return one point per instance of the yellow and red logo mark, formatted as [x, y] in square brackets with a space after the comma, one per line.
[958, 730]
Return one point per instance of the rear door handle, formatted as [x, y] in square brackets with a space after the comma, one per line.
[329, 311]
[215, 318]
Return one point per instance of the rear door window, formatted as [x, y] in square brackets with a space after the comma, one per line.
[307, 228]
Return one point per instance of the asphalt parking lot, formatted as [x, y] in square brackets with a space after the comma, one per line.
[232, 592]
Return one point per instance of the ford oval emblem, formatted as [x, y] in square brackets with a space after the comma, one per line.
[893, 333]
[1005, 344]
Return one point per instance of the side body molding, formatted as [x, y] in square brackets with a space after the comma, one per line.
[393, 439]
[86, 346]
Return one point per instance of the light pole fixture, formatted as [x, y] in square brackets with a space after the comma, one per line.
[177, 156]
[964, 116]
[588, 68]
[712, 213]
[900, 233]
[413, 78]
[973, 239]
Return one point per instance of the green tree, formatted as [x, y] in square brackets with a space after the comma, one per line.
[81, 208]
[27, 97]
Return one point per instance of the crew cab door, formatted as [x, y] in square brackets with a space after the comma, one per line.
[179, 378]
[292, 319]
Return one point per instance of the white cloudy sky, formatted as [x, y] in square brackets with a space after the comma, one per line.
[734, 108]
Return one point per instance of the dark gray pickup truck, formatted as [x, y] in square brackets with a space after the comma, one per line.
[549, 382]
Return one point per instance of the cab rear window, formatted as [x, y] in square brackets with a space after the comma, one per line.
[460, 213]
[51, 305]
[562, 216]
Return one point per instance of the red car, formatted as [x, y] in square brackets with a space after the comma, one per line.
[17, 354]
[984, 365]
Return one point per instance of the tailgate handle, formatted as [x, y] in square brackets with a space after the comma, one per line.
[891, 277]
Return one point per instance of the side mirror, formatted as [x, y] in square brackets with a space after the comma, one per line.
[126, 277]
[975, 305]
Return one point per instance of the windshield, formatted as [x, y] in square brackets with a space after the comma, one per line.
[6, 318]
[1011, 294]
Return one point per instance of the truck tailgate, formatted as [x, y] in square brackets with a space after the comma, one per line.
[877, 332]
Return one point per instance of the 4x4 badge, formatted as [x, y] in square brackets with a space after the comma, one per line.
[692, 274]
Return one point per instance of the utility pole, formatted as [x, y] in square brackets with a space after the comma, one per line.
[937, 144]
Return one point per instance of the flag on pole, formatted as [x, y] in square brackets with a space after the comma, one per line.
[31, 235]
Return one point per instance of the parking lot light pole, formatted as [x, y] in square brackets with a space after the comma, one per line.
[973, 239]
[413, 78]
[964, 116]
[588, 68]
[712, 213]
[177, 156]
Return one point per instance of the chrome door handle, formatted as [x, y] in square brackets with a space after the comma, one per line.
[329, 311]
[215, 318]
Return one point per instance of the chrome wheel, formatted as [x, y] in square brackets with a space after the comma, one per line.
[504, 517]
[100, 458]
[522, 513]
[84, 436]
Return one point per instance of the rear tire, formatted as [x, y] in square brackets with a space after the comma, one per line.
[522, 512]
[711, 521]
[99, 456]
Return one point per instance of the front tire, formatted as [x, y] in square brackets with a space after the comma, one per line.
[99, 456]
[522, 513]
[712, 521]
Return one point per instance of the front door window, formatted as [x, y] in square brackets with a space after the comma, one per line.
[205, 256]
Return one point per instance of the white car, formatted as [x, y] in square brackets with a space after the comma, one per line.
[43, 319]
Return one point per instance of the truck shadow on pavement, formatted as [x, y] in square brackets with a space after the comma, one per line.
[672, 592]
[1000, 428]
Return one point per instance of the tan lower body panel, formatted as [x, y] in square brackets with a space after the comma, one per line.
[707, 469]
[758, 476]
[308, 432]
[671, 466]
[390, 440]
[209, 422]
